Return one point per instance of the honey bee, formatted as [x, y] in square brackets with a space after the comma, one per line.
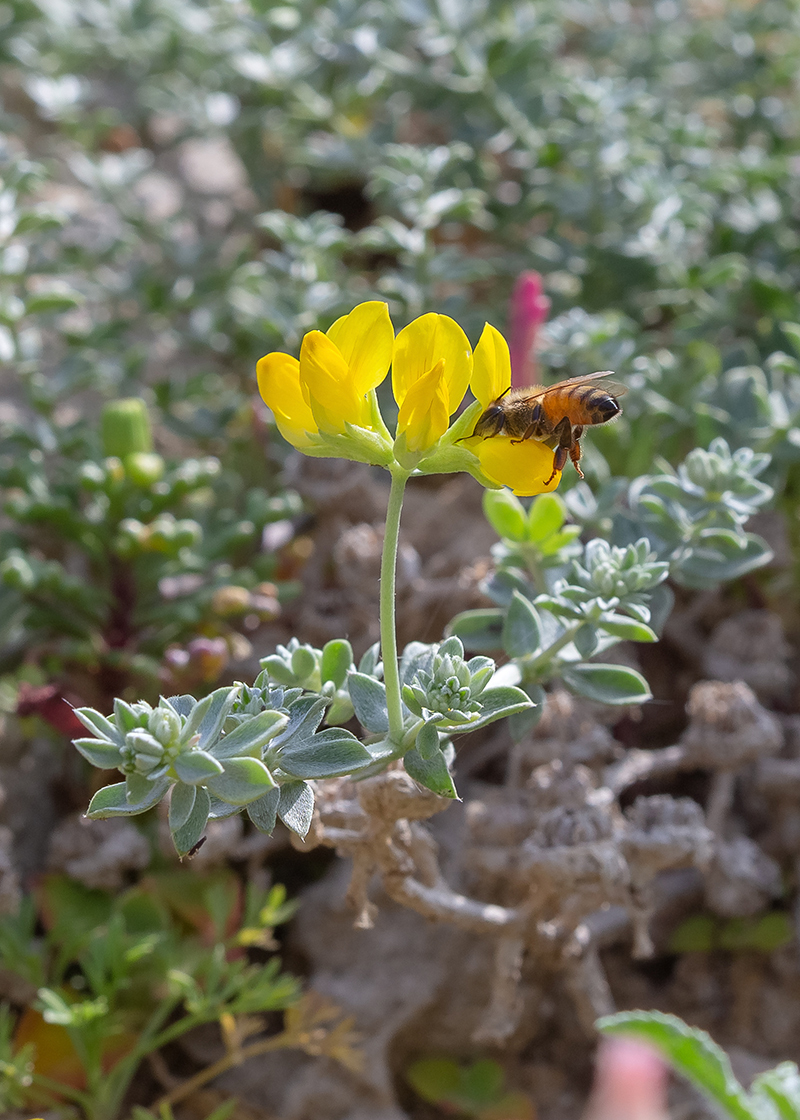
[555, 416]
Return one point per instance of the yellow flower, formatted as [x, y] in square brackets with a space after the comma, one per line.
[331, 390]
[430, 374]
[524, 465]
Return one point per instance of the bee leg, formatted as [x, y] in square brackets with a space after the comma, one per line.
[575, 450]
[564, 447]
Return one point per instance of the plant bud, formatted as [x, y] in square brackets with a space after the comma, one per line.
[164, 724]
[125, 427]
[144, 468]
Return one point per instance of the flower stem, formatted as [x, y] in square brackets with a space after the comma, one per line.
[391, 669]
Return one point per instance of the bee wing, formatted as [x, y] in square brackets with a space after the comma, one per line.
[603, 376]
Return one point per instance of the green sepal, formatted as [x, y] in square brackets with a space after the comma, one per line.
[358, 444]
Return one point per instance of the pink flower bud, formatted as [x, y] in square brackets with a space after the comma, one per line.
[529, 308]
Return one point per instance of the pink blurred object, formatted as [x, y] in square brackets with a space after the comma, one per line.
[629, 1082]
[529, 309]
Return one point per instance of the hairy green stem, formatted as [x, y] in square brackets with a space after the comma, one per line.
[391, 669]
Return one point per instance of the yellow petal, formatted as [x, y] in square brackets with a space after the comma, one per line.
[327, 385]
[491, 367]
[424, 415]
[279, 385]
[523, 466]
[365, 338]
[418, 348]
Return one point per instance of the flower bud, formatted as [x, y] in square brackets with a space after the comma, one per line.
[125, 427]
[164, 724]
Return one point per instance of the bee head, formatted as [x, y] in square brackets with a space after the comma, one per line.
[490, 422]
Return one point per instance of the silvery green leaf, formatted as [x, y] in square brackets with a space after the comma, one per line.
[451, 647]
[609, 684]
[305, 716]
[100, 726]
[505, 513]
[330, 754]
[144, 793]
[781, 1087]
[501, 585]
[520, 724]
[243, 780]
[262, 811]
[112, 801]
[251, 736]
[427, 744]
[296, 806]
[369, 662]
[196, 767]
[105, 755]
[521, 629]
[278, 670]
[627, 629]
[431, 773]
[190, 832]
[586, 639]
[414, 700]
[208, 716]
[545, 517]
[219, 810]
[125, 718]
[181, 803]
[480, 629]
[183, 705]
[369, 702]
[337, 657]
[341, 709]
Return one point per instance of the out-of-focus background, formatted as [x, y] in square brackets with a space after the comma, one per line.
[186, 186]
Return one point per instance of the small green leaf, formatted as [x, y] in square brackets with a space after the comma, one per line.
[691, 1051]
[196, 767]
[427, 744]
[100, 726]
[628, 629]
[586, 640]
[545, 517]
[243, 780]
[330, 754]
[369, 701]
[263, 811]
[251, 736]
[208, 716]
[181, 803]
[505, 513]
[104, 755]
[185, 837]
[112, 801]
[521, 723]
[480, 630]
[431, 773]
[337, 657]
[522, 634]
[608, 684]
[296, 806]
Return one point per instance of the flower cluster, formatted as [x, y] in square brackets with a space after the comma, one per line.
[326, 404]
